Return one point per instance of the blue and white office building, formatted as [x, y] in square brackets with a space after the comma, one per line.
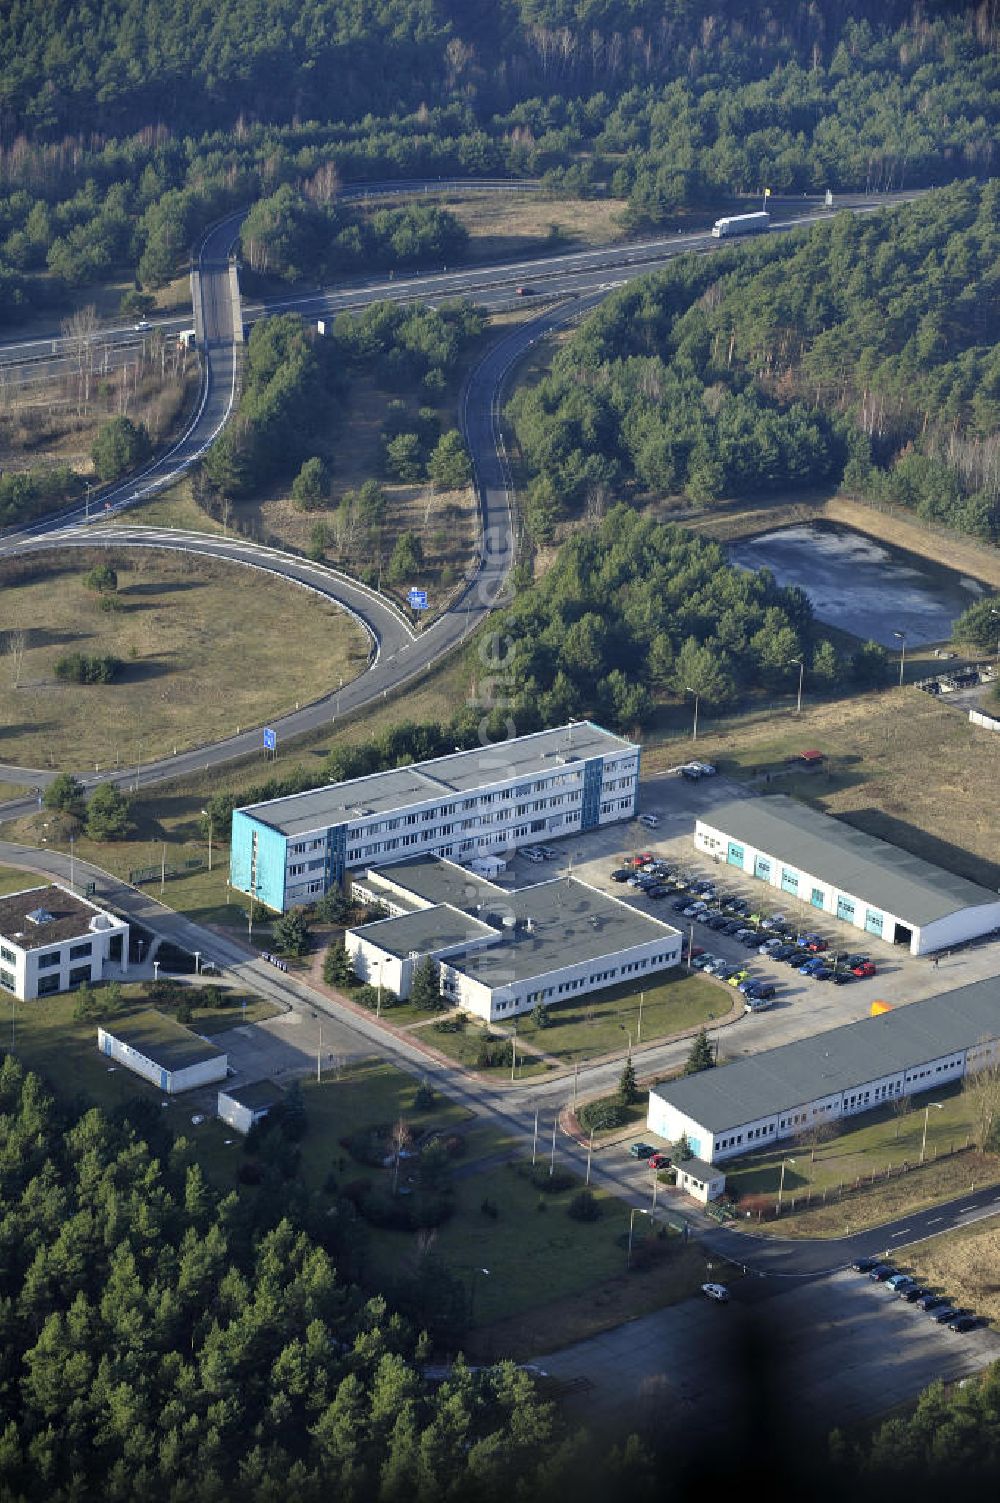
[288, 851]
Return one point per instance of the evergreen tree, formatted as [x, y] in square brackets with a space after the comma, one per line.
[425, 988]
[701, 1056]
[628, 1088]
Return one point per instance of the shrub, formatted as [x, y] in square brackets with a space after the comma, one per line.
[424, 1098]
[584, 1206]
[78, 668]
[603, 1115]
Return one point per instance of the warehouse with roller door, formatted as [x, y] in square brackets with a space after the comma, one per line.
[841, 871]
[467, 806]
[785, 1092]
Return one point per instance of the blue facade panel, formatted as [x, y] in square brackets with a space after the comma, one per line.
[336, 855]
[590, 810]
[257, 856]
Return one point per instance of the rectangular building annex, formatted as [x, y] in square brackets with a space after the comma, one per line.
[473, 803]
[782, 1093]
[242, 1107]
[52, 941]
[163, 1052]
[852, 876]
[500, 953]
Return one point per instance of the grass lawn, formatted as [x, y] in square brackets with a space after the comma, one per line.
[879, 1141]
[49, 1040]
[511, 224]
[603, 1022]
[463, 1047]
[204, 648]
[964, 1264]
[12, 879]
[537, 1257]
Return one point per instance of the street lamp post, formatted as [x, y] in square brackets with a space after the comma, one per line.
[208, 815]
[690, 946]
[638, 1031]
[781, 1181]
[635, 1211]
[697, 699]
[902, 654]
[800, 664]
[472, 1293]
[927, 1112]
[72, 863]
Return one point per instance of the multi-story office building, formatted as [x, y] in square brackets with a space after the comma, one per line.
[52, 941]
[290, 850]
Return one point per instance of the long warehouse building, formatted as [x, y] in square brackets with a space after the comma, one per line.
[290, 850]
[784, 1092]
[852, 876]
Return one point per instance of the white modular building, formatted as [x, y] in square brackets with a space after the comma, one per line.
[163, 1052]
[879, 888]
[52, 941]
[242, 1107]
[782, 1093]
[464, 807]
[498, 952]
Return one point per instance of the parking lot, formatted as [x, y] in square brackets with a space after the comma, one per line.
[801, 1006]
[844, 1346]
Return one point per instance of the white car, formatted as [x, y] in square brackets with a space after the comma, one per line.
[650, 821]
[142, 326]
[717, 1292]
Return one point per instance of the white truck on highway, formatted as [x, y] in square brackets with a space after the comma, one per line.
[741, 224]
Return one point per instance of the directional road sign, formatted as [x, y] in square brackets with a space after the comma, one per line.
[270, 739]
[418, 600]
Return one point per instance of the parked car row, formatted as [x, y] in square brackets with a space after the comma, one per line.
[536, 853]
[695, 771]
[937, 1306]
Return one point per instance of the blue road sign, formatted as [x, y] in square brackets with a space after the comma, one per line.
[270, 739]
[418, 600]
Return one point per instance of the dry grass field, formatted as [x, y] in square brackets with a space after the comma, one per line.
[204, 648]
[965, 1265]
[509, 224]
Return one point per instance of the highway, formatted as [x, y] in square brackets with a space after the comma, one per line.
[574, 281]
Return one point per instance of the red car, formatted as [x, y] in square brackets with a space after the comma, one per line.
[866, 968]
[660, 1161]
[817, 945]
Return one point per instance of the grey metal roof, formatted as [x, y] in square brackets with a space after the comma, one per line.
[793, 1075]
[436, 880]
[256, 1095]
[570, 921]
[427, 782]
[859, 865]
[163, 1040]
[431, 929]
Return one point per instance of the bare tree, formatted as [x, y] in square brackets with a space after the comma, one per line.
[901, 1107]
[79, 331]
[16, 644]
[983, 1092]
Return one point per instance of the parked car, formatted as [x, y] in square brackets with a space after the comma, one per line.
[770, 946]
[931, 1302]
[699, 962]
[817, 944]
[964, 1322]
[864, 1265]
[642, 1150]
[716, 921]
[821, 973]
[841, 978]
[651, 821]
[773, 921]
[691, 910]
[691, 772]
[620, 874]
[911, 1295]
[679, 905]
[753, 1003]
[732, 926]
[737, 976]
[549, 852]
[811, 966]
[900, 1282]
[881, 1272]
[945, 1315]
[660, 1160]
[736, 905]
[764, 990]
[853, 960]
[718, 1292]
[866, 968]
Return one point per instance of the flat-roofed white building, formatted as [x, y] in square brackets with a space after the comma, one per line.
[841, 871]
[163, 1052]
[52, 941]
[242, 1107]
[784, 1092]
[500, 952]
[288, 851]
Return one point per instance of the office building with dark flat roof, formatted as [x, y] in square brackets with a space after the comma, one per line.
[52, 941]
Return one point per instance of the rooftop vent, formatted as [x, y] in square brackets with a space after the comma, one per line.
[39, 916]
[100, 921]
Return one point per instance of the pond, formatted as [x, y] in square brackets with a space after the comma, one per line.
[861, 585]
